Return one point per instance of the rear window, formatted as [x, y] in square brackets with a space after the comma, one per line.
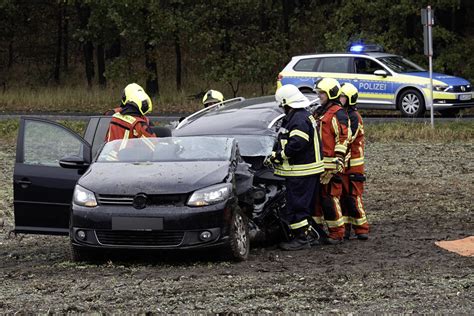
[334, 64]
[305, 64]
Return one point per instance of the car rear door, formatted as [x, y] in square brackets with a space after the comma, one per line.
[42, 188]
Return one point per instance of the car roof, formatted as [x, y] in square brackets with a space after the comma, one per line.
[247, 117]
[375, 55]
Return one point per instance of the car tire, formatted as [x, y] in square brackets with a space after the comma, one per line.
[239, 243]
[411, 103]
[449, 112]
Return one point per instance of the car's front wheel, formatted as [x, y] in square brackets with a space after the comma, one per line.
[239, 244]
[411, 103]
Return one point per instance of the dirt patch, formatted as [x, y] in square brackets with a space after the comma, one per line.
[416, 194]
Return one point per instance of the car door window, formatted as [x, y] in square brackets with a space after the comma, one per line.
[334, 64]
[46, 144]
[307, 64]
[366, 66]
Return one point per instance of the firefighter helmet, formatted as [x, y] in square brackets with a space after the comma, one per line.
[290, 95]
[330, 86]
[350, 91]
[211, 97]
[134, 95]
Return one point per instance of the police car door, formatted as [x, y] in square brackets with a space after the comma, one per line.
[375, 91]
[42, 189]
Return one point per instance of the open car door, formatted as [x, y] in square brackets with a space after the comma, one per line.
[42, 188]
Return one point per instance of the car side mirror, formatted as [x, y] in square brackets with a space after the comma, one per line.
[381, 73]
[73, 162]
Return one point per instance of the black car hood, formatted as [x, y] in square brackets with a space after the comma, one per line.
[153, 178]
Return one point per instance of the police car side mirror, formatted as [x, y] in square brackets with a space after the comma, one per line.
[381, 73]
[73, 162]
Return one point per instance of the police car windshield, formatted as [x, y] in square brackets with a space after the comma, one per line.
[400, 64]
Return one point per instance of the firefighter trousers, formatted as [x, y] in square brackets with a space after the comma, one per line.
[352, 206]
[300, 199]
[328, 208]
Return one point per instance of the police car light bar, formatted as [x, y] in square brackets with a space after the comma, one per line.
[365, 48]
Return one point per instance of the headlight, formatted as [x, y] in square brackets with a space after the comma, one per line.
[84, 197]
[440, 88]
[211, 195]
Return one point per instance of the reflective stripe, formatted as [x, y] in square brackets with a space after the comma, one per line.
[303, 223]
[112, 156]
[148, 142]
[283, 155]
[124, 142]
[297, 132]
[317, 147]
[358, 221]
[357, 161]
[340, 148]
[346, 219]
[318, 219]
[335, 127]
[127, 118]
[299, 170]
[337, 223]
[330, 162]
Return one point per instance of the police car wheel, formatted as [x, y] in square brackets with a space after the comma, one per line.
[411, 103]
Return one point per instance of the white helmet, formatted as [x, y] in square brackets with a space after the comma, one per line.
[290, 95]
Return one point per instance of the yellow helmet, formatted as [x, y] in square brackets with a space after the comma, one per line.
[134, 95]
[351, 92]
[330, 86]
[212, 96]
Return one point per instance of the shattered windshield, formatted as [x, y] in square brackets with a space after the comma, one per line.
[167, 149]
[251, 145]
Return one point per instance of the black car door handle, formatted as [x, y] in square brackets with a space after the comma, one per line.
[24, 183]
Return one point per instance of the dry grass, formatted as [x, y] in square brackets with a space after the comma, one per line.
[461, 131]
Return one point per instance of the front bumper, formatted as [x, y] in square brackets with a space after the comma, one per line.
[164, 227]
[449, 100]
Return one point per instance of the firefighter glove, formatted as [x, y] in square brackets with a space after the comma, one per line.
[276, 157]
[339, 164]
[327, 175]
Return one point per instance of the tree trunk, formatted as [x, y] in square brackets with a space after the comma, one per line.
[114, 50]
[152, 73]
[57, 64]
[177, 47]
[101, 65]
[286, 25]
[84, 12]
[10, 54]
[66, 41]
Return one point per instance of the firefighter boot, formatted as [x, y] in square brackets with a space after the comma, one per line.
[298, 241]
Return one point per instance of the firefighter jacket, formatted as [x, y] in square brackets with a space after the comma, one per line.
[354, 161]
[125, 127]
[299, 147]
[334, 132]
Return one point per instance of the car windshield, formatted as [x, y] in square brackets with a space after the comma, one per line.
[400, 64]
[167, 149]
[254, 145]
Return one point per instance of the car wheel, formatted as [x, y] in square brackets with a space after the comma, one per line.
[449, 112]
[239, 244]
[411, 103]
[79, 254]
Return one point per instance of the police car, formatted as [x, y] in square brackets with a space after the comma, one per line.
[384, 81]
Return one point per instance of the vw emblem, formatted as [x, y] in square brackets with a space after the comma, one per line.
[139, 201]
[463, 88]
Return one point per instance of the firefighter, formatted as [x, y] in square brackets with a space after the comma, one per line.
[353, 177]
[131, 121]
[119, 108]
[212, 97]
[297, 157]
[334, 133]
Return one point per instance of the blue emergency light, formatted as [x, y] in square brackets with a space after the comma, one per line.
[365, 48]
